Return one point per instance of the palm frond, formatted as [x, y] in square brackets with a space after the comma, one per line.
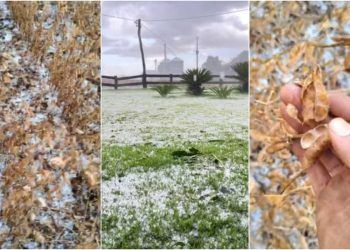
[164, 90]
[195, 78]
[222, 91]
[242, 75]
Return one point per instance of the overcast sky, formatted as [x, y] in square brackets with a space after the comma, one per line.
[221, 35]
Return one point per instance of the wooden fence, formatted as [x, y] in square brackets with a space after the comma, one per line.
[144, 81]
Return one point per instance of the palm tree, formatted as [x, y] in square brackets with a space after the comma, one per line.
[195, 78]
[164, 90]
[222, 91]
[242, 75]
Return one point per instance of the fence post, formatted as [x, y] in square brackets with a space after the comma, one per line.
[144, 81]
[115, 82]
[171, 78]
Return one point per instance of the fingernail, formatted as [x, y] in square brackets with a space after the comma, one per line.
[340, 127]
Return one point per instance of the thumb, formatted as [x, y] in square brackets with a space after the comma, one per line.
[340, 137]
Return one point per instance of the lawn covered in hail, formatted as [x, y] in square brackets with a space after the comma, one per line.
[174, 170]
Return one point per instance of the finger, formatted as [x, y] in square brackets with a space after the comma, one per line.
[319, 177]
[338, 102]
[297, 126]
[291, 93]
[297, 150]
[317, 173]
[340, 137]
[333, 165]
[329, 161]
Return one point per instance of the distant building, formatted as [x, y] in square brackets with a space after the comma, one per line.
[242, 57]
[213, 64]
[217, 67]
[173, 66]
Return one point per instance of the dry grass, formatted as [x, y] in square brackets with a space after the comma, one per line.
[64, 37]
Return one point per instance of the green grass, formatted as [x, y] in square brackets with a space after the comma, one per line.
[222, 232]
[212, 231]
[199, 222]
[176, 193]
[118, 160]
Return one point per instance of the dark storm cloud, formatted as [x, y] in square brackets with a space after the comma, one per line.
[225, 31]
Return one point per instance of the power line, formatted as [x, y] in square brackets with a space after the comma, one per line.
[180, 18]
[119, 17]
[148, 28]
[193, 17]
[162, 39]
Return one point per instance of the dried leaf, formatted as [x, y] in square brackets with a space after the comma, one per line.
[342, 39]
[347, 63]
[92, 178]
[39, 237]
[275, 199]
[277, 146]
[322, 100]
[6, 79]
[314, 99]
[313, 153]
[311, 136]
[293, 112]
[57, 162]
[42, 202]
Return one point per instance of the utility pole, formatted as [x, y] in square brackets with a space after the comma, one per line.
[144, 83]
[197, 52]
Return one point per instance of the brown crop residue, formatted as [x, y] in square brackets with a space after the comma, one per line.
[49, 125]
[290, 44]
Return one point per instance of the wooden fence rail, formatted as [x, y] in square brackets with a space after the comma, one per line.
[117, 80]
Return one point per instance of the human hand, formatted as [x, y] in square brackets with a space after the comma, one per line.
[330, 175]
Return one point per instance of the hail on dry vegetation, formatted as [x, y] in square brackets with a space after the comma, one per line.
[49, 125]
[291, 48]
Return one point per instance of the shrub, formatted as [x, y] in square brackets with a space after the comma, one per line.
[194, 86]
[242, 75]
[164, 90]
[222, 91]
